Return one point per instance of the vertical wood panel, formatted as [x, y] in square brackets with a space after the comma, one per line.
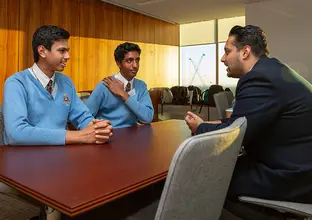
[109, 19]
[8, 40]
[166, 33]
[147, 64]
[159, 65]
[96, 29]
[96, 52]
[66, 17]
[88, 46]
[138, 27]
[35, 13]
[30, 20]
[105, 20]
[166, 66]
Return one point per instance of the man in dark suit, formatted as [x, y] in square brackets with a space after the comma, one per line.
[277, 103]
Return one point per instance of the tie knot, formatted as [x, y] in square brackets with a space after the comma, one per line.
[49, 86]
[128, 87]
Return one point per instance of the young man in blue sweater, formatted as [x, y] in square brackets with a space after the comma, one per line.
[122, 99]
[39, 101]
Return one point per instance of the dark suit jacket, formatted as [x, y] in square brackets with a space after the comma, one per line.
[277, 103]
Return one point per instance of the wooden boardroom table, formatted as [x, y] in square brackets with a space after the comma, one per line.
[77, 178]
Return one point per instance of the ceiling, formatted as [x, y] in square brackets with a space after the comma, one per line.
[186, 11]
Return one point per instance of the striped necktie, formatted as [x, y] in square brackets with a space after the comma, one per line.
[49, 87]
[128, 87]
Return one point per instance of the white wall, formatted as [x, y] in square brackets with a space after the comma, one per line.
[288, 26]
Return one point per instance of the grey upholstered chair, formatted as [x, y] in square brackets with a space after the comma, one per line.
[221, 104]
[298, 209]
[200, 173]
[83, 96]
[230, 97]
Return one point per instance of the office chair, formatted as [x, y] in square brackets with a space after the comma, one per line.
[200, 174]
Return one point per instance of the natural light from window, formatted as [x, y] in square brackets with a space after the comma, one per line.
[198, 65]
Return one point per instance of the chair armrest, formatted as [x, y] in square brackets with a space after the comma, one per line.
[283, 206]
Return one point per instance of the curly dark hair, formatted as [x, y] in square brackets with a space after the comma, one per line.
[252, 36]
[124, 48]
[46, 36]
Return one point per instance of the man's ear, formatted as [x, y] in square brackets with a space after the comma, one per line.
[42, 51]
[246, 51]
[118, 64]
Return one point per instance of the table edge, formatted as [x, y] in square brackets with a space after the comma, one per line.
[73, 211]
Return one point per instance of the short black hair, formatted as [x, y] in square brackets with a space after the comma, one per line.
[124, 48]
[252, 36]
[46, 36]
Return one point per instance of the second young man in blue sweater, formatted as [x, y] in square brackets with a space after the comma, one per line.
[123, 99]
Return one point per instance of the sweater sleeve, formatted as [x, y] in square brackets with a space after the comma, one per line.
[96, 99]
[79, 114]
[141, 107]
[17, 127]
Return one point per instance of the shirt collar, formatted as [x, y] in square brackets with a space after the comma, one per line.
[38, 74]
[124, 80]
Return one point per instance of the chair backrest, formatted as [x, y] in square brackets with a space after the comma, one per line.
[213, 89]
[180, 95]
[1, 128]
[166, 96]
[86, 91]
[200, 174]
[155, 95]
[229, 96]
[195, 95]
[83, 96]
[221, 104]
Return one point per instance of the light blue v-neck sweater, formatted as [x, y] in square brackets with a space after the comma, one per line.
[103, 104]
[33, 117]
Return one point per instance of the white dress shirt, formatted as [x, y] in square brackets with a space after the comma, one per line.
[43, 78]
[124, 80]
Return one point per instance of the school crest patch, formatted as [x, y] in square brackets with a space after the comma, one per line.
[66, 100]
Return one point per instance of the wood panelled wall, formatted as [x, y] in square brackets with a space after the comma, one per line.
[96, 29]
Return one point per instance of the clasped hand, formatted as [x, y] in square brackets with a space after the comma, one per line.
[98, 132]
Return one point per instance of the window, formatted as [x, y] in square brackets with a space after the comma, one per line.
[224, 27]
[224, 80]
[198, 53]
[198, 65]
